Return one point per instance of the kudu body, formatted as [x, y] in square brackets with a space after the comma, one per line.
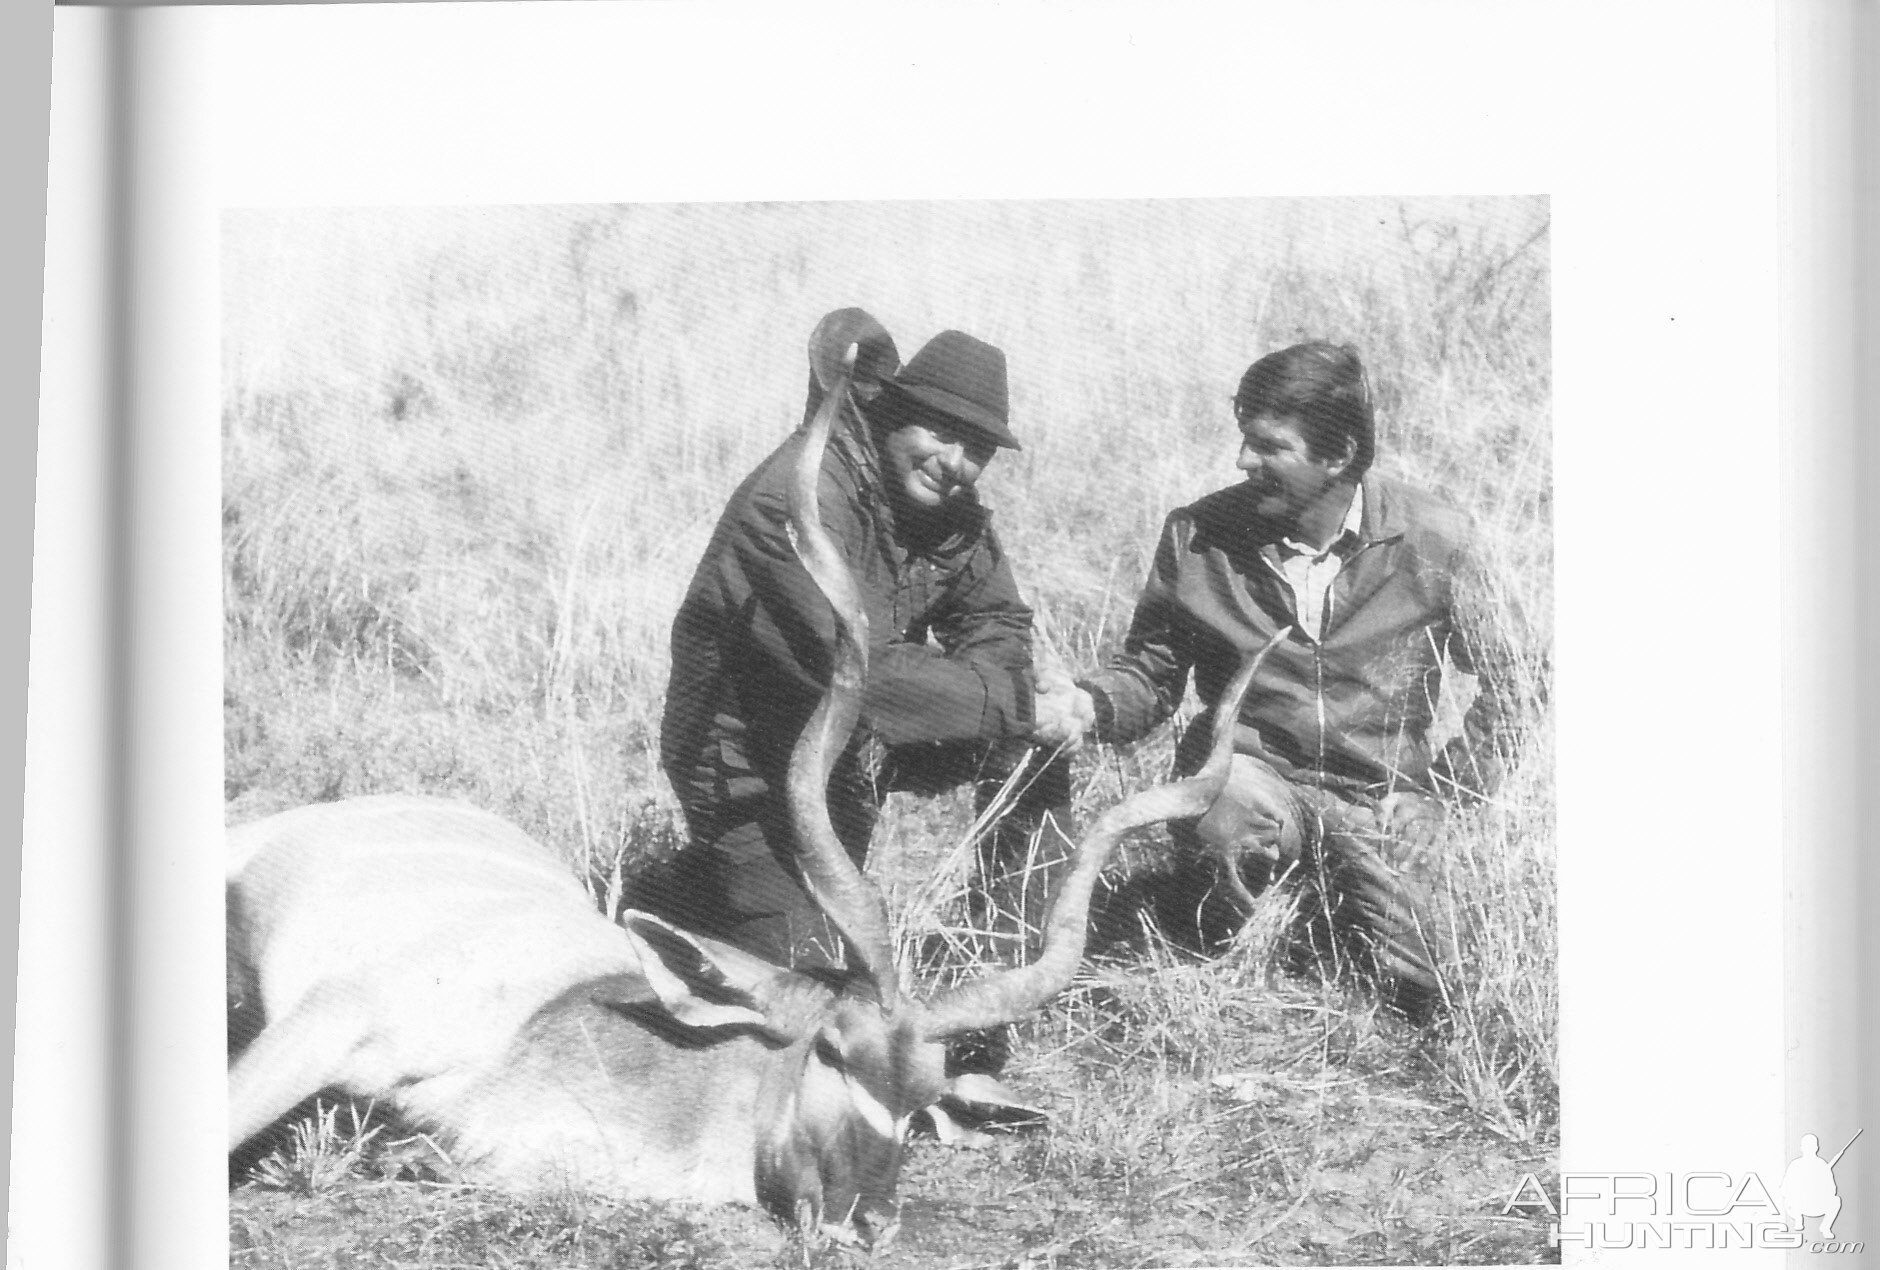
[432, 957]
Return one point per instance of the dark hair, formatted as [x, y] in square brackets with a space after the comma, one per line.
[1323, 386]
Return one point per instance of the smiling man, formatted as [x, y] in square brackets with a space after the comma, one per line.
[950, 692]
[1334, 778]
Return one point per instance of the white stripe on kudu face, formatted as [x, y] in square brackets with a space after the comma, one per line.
[879, 1118]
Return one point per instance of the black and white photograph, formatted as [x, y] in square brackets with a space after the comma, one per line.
[1005, 732]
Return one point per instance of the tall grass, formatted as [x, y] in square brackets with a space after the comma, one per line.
[473, 454]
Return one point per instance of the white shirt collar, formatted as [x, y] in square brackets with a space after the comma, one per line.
[1354, 523]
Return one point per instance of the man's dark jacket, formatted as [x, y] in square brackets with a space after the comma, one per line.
[752, 643]
[1351, 712]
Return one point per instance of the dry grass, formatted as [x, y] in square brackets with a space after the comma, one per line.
[320, 1155]
[472, 455]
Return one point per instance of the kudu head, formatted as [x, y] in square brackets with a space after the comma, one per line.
[863, 1055]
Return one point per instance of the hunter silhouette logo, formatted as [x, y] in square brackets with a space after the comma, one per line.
[1808, 1188]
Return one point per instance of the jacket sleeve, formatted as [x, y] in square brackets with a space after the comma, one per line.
[974, 681]
[974, 685]
[1141, 687]
[1487, 628]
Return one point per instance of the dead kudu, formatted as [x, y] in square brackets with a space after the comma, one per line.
[432, 957]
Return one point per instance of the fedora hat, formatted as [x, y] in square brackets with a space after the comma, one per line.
[962, 378]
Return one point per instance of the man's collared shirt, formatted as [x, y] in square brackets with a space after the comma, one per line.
[1308, 571]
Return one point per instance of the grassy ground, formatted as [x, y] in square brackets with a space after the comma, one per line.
[472, 455]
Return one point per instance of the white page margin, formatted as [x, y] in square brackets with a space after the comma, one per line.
[1651, 128]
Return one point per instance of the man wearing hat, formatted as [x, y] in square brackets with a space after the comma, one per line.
[950, 692]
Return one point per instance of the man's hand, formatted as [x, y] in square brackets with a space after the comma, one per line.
[1250, 820]
[1061, 711]
[1236, 832]
[1412, 818]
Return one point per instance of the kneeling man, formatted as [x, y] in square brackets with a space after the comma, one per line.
[950, 692]
[1334, 777]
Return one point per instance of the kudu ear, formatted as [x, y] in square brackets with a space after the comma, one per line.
[986, 1099]
[701, 982]
[974, 1102]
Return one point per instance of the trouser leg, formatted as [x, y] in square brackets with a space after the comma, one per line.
[1366, 899]
[1371, 895]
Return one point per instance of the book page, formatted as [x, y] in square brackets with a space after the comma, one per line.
[458, 326]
